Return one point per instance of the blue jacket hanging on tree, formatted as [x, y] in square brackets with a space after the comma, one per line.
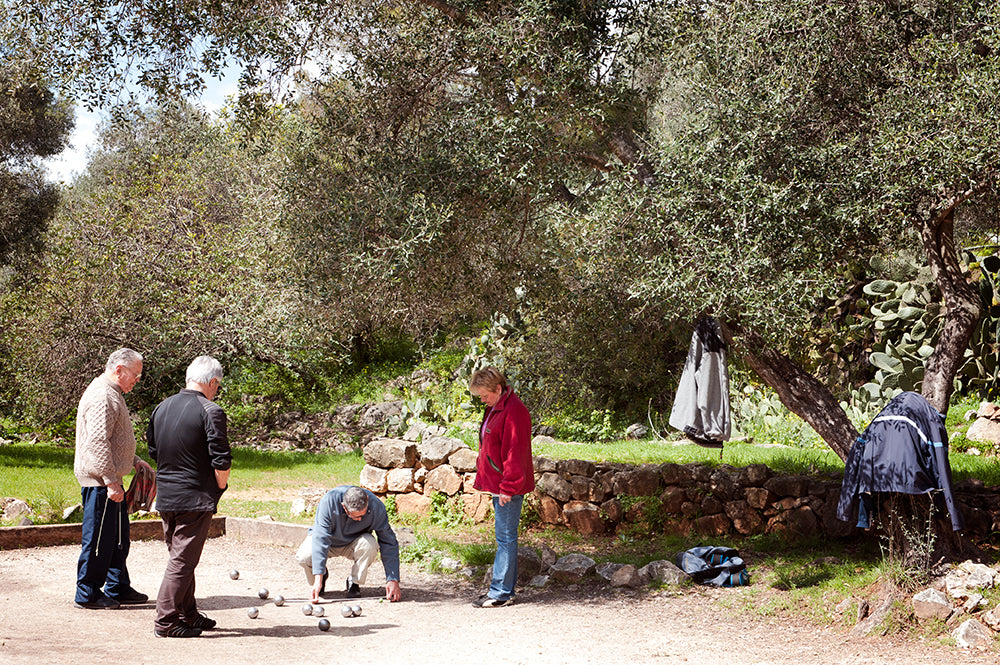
[701, 405]
[904, 449]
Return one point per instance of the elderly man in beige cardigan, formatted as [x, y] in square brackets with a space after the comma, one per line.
[105, 453]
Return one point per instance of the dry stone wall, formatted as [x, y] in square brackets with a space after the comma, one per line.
[598, 498]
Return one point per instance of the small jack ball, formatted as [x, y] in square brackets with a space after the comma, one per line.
[234, 574]
[324, 624]
[263, 593]
[307, 609]
[318, 611]
[253, 612]
[279, 600]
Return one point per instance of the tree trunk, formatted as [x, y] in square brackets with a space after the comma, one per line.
[961, 302]
[798, 390]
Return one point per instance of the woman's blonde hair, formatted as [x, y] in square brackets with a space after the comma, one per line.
[488, 377]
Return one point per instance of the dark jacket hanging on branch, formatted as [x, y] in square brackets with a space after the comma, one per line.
[701, 406]
[904, 449]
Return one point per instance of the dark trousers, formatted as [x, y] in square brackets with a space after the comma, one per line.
[185, 534]
[104, 547]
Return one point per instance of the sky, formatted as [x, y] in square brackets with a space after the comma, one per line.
[73, 161]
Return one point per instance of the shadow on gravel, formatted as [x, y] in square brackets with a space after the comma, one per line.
[297, 631]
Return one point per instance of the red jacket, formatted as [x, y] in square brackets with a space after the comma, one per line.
[504, 465]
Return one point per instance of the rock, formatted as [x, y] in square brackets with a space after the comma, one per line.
[447, 563]
[987, 410]
[542, 439]
[758, 497]
[876, 620]
[549, 510]
[415, 431]
[672, 499]
[378, 415]
[576, 467]
[628, 576]
[710, 505]
[529, 564]
[974, 602]
[722, 486]
[572, 567]
[745, 519]
[803, 522]
[664, 572]
[71, 511]
[612, 509]
[992, 618]
[754, 475]
[555, 486]
[583, 517]
[413, 504]
[399, 480]
[477, 505]
[391, 453]
[972, 633]
[15, 510]
[549, 557]
[640, 481]
[544, 465]
[984, 429]
[434, 451]
[636, 431]
[464, 459]
[443, 479]
[579, 488]
[979, 576]
[607, 569]
[25, 521]
[931, 604]
[374, 479]
[782, 486]
[713, 525]
[843, 605]
[539, 581]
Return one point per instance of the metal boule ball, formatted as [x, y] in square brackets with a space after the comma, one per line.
[356, 610]
[324, 624]
[307, 609]
[318, 611]
[234, 574]
[279, 600]
[253, 612]
[346, 611]
[263, 593]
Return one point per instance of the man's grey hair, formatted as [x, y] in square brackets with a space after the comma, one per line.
[355, 500]
[203, 369]
[123, 357]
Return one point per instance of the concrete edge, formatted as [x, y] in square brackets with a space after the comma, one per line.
[47, 535]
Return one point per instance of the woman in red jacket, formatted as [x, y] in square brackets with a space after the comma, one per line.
[505, 470]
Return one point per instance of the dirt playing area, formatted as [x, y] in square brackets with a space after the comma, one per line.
[433, 624]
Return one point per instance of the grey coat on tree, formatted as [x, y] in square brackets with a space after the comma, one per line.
[701, 406]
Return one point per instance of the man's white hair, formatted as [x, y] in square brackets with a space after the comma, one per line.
[203, 369]
[123, 357]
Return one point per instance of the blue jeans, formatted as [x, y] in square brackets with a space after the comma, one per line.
[104, 547]
[505, 562]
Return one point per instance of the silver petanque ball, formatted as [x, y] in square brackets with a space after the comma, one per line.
[279, 600]
[346, 611]
[253, 612]
[307, 609]
[263, 593]
[234, 574]
[318, 611]
[324, 625]
[355, 610]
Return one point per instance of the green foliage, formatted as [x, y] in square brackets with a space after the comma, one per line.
[447, 512]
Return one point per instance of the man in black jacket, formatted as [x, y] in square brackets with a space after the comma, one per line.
[187, 439]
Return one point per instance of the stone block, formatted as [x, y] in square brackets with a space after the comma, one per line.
[391, 453]
[412, 503]
[399, 480]
[555, 486]
[443, 478]
[549, 510]
[583, 517]
[931, 604]
[464, 459]
[745, 519]
[794, 486]
[477, 505]
[713, 525]
[435, 450]
[374, 478]
[572, 567]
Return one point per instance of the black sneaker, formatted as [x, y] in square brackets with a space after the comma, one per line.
[353, 590]
[201, 622]
[132, 597]
[485, 601]
[102, 603]
[178, 630]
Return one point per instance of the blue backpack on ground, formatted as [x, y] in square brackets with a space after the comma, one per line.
[715, 566]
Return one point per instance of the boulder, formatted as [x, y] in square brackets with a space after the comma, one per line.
[754, 475]
[378, 415]
[572, 567]
[722, 485]
[435, 450]
[464, 459]
[971, 634]
[477, 505]
[539, 581]
[713, 525]
[636, 431]
[412, 503]
[443, 478]
[607, 569]
[663, 572]
[555, 486]
[529, 564]
[583, 517]
[985, 430]
[580, 488]
[627, 576]
[374, 479]
[15, 510]
[391, 453]
[549, 557]
[782, 486]
[576, 467]
[400, 480]
[672, 499]
[758, 497]
[549, 510]
[543, 464]
[931, 604]
[745, 519]
[640, 481]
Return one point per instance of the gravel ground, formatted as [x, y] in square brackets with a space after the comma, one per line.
[434, 623]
